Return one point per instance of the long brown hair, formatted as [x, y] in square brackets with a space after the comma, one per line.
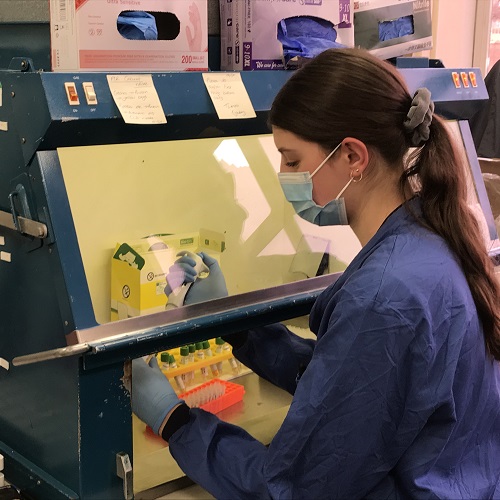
[351, 93]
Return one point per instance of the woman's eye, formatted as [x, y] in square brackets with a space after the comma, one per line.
[292, 164]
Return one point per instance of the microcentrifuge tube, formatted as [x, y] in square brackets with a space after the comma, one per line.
[177, 378]
[186, 376]
[232, 361]
[165, 360]
[192, 350]
[173, 363]
[234, 365]
[200, 354]
[219, 343]
[209, 354]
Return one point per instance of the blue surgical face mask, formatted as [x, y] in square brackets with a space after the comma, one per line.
[298, 188]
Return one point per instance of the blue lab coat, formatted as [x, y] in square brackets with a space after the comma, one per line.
[397, 397]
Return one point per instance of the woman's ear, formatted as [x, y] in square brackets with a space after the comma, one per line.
[356, 154]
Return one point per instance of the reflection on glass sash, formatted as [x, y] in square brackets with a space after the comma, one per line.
[138, 205]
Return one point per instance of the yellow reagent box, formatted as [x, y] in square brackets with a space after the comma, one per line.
[139, 269]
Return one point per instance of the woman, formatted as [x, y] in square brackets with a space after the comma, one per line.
[399, 395]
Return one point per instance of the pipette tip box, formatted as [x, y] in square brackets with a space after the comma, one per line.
[232, 394]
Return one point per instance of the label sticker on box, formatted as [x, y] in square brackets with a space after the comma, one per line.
[229, 95]
[137, 99]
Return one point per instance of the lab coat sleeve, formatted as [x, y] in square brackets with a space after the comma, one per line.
[354, 413]
[276, 354]
[222, 458]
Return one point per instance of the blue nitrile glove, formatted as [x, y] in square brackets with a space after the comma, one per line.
[209, 288]
[137, 25]
[387, 30]
[152, 395]
[202, 289]
[306, 37]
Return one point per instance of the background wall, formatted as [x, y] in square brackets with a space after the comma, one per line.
[453, 31]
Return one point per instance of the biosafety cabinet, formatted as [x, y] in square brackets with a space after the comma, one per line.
[77, 183]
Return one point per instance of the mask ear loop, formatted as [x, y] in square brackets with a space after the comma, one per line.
[325, 160]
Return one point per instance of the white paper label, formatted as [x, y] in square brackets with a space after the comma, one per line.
[137, 99]
[229, 95]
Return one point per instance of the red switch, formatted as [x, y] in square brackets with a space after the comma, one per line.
[456, 79]
[472, 78]
[72, 94]
[465, 79]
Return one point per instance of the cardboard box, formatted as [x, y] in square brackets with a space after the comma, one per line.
[249, 29]
[139, 269]
[85, 36]
[370, 17]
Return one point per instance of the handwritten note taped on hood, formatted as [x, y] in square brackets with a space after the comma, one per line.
[229, 95]
[137, 99]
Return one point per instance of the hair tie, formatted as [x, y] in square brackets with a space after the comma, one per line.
[419, 118]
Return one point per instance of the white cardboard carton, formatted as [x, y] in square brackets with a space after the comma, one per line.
[249, 29]
[85, 37]
[139, 269]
